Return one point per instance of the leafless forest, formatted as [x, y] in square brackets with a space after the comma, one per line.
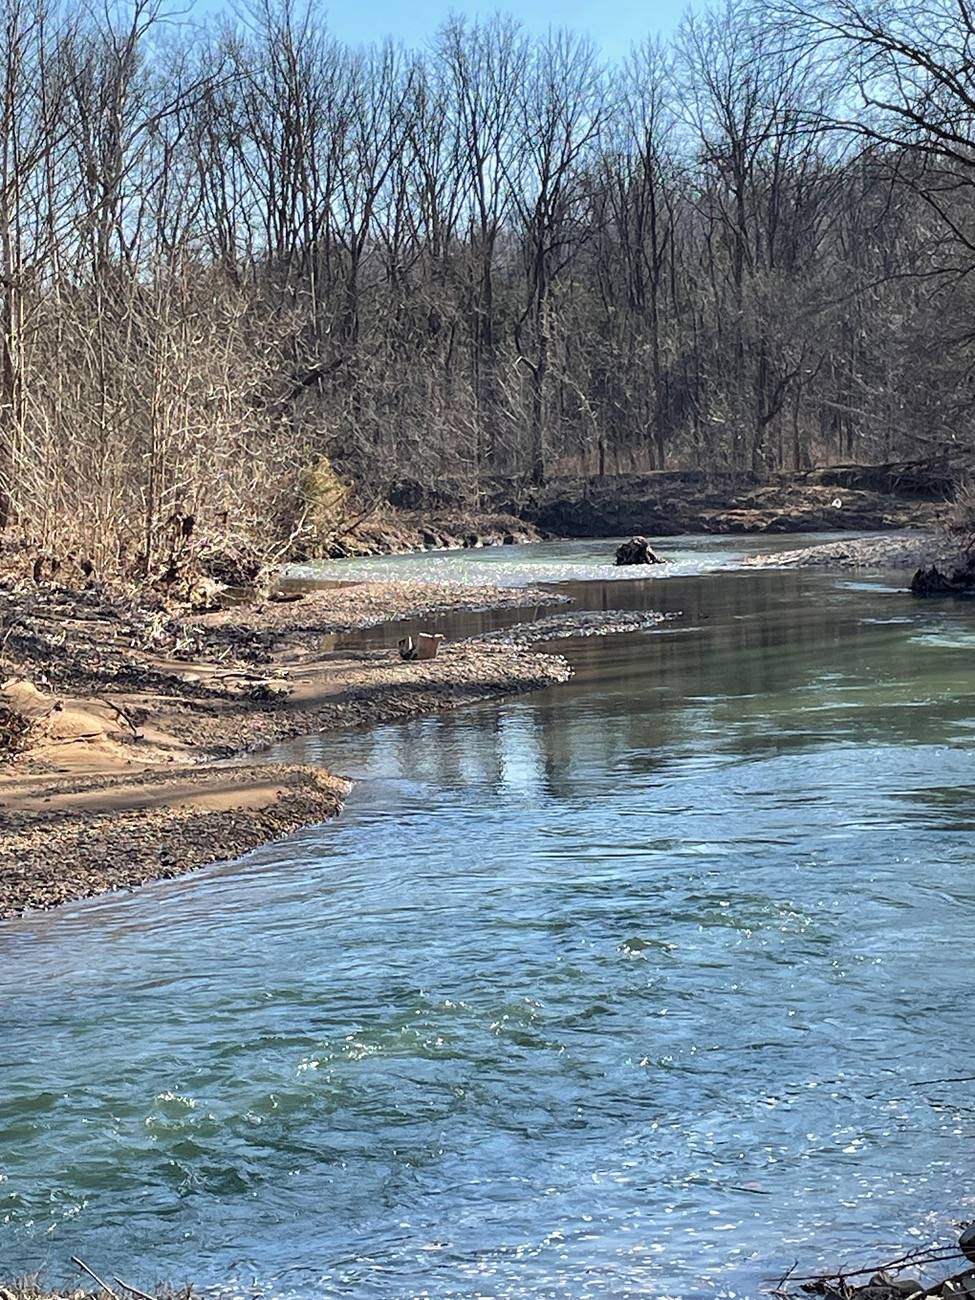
[235, 255]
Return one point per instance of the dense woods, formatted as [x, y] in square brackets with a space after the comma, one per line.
[231, 257]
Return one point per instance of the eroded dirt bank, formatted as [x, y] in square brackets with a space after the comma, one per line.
[125, 730]
[663, 503]
[667, 503]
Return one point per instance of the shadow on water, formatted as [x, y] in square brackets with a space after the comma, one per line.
[631, 987]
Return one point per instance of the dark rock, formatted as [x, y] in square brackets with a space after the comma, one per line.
[935, 582]
[636, 551]
[887, 1287]
[966, 1243]
[906, 1286]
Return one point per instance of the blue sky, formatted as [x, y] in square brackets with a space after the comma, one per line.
[613, 24]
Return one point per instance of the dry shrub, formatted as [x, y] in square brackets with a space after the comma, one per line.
[959, 519]
[33, 1288]
[15, 731]
[166, 404]
[325, 502]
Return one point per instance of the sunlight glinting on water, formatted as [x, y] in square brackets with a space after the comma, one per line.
[582, 561]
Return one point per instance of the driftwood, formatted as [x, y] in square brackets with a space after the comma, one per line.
[120, 713]
[884, 1281]
[935, 582]
[167, 1293]
[92, 1274]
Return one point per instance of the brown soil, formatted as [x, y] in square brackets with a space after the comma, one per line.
[122, 721]
[395, 530]
[662, 503]
[848, 498]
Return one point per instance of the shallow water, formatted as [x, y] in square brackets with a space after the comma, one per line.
[589, 560]
[635, 987]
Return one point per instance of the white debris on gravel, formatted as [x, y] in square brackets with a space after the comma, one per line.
[562, 627]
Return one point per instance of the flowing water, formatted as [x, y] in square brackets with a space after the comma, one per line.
[589, 560]
[644, 986]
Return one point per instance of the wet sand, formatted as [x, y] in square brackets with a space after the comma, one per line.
[131, 734]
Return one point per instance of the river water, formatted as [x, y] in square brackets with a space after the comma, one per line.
[647, 985]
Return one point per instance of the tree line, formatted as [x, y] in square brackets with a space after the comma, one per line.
[231, 253]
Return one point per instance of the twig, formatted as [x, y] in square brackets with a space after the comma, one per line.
[122, 714]
[134, 1290]
[918, 1257]
[91, 1273]
[779, 1288]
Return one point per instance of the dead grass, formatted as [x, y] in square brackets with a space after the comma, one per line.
[959, 520]
[32, 1287]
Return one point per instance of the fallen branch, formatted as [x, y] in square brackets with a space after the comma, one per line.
[91, 1273]
[133, 1290]
[912, 1258]
[121, 713]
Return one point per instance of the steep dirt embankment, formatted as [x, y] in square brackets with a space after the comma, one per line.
[417, 517]
[393, 530]
[122, 726]
[841, 498]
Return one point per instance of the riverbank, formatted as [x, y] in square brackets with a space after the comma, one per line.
[670, 503]
[664, 503]
[125, 729]
[128, 730]
[907, 550]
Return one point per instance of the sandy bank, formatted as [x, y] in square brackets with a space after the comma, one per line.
[355, 606]
[123, 727]
[68, 839]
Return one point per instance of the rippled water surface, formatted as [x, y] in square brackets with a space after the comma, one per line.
[636, 987]
[590, 560]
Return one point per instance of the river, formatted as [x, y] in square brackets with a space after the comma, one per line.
[642, 986]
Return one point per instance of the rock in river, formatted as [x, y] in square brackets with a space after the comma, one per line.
[935, 582]
[636, 551]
